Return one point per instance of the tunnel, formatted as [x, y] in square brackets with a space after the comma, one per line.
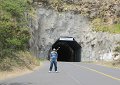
[68, 49]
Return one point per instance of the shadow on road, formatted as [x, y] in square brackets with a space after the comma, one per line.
[16, 83]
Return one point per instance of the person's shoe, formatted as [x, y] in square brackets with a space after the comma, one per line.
[56, 71]
[49, 71]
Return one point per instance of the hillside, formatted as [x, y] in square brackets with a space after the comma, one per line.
[14, 36]
[103, 14]
[95, 25]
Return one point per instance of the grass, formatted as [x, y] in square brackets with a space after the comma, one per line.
[111, 64]
[22, 63]
[21, 60]
[99, 25]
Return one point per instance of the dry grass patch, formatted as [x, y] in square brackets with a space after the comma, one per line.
[111, 64]
[15, 73]
[20, 60]
[18, 65]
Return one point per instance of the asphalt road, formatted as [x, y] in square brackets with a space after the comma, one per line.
[69, 73]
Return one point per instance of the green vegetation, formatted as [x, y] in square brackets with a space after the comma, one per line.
[116, 62]
[99, 25]
[14, 33]
[117, 49]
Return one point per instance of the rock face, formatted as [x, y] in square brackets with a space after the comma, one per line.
[108, 10]
[49, 25]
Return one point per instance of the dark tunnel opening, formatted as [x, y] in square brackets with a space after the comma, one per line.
[69, 51]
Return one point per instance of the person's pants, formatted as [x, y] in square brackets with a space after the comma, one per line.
[51, 65]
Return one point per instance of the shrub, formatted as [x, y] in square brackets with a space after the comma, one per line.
[14, 33]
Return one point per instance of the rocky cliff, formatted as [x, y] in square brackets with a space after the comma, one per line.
[48, 25]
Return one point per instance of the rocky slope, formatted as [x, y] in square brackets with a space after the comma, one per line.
[109, 10]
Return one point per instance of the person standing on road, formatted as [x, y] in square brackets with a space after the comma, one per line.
[53, 60]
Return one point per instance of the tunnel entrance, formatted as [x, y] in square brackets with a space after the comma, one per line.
[69, 51]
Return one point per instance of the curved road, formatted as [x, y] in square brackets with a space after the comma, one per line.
[70, 73]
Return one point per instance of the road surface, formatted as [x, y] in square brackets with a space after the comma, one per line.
[69, 73]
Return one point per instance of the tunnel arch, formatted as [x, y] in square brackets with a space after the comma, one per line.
[69, 51]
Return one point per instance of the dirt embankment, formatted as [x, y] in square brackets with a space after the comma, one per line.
[15, 73]
[22, 63]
